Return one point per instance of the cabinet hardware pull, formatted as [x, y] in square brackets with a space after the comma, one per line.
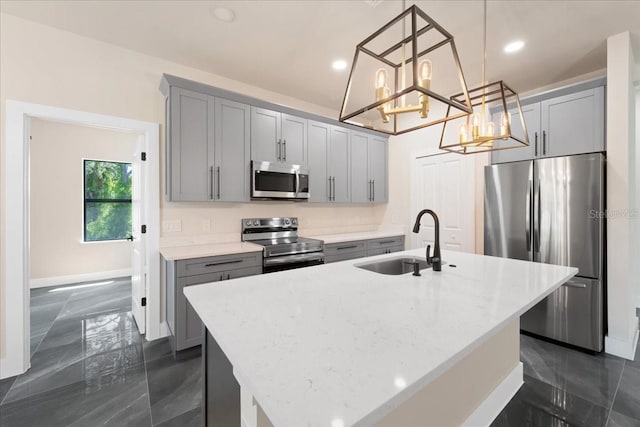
[279, 149]
[234, 261]
[369, 190]
[347, 247]
[373, 190]
[536, 143]
[228, 276]
[386, 241]
[211, 182]
[284, 149]
[575, 285]
[221, 277]
[329, 191]
[544, 142]
[218, 179]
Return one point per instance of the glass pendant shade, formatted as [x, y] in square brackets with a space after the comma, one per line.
[490, 127]
[394, 80]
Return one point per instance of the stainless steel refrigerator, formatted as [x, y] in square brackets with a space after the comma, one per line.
[551, 211]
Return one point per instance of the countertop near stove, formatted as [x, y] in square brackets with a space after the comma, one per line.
[350, 237]
[197, 251]
[342, 346]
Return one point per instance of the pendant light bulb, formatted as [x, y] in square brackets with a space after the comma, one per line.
[381, 78]
[425, 70]
[505, 120]
[463, 133]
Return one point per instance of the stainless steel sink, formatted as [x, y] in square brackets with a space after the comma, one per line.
[394, 266]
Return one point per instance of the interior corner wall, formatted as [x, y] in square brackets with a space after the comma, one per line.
[57, 250]
[621, 282]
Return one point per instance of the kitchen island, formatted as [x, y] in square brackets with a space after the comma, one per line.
[335, 345]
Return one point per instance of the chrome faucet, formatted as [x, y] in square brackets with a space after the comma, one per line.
[436, 259]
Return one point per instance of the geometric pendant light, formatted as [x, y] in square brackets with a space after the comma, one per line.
[396, 77]
[489, 127]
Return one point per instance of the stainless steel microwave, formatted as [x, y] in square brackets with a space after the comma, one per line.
[279, 181]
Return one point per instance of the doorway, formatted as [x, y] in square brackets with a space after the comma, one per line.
[445, 184]
[15, 304]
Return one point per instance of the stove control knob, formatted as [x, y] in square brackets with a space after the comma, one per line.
[293, 221]
[287, 222]
[256, 222]
[247, 223]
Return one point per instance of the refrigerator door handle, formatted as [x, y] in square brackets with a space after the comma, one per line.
[527, 225]
[575, 284]
[536, 219]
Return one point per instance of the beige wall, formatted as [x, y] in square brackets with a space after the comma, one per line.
[57, 151]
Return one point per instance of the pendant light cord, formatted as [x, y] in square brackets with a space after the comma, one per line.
[484, 45]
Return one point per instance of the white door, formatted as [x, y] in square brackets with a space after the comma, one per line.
[444, 183]
[138, 261]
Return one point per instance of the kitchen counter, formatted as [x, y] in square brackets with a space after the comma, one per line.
[350, 237]
[198, 251]
[336, 345]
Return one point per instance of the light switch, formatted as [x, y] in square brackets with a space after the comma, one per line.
[172, 226]
[206, 225]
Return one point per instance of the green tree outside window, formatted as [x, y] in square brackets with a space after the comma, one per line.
[107, 200]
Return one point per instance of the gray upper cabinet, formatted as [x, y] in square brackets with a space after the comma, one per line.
[318, 143]
[191, 145]
[339, 159]
[294, 140]
[278, 137]
[266, 135]
[232, 146]
[572, 123]
[368, 169]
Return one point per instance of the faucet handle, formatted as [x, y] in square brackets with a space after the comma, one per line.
[429, 254]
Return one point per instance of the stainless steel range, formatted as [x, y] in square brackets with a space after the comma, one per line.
[283, 248]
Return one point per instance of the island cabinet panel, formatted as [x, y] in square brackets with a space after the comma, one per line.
[191, 145]
[184, 324]
[368, 169]
[572, 123]
[385, 245]
[318, 142]
[278, 137]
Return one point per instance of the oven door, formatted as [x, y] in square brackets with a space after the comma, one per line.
[289, 262]
[278, 181]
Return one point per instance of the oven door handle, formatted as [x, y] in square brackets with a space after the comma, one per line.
[292, 259]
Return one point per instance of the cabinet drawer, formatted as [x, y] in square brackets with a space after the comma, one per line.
[344, 256]
[382, 251]
[344, 248]
[386, 242]
[198, 266]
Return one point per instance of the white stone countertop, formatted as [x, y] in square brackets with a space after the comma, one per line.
[175, 253]
[350, 237]
[338, 345]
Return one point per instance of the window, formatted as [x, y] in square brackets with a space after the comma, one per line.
[107, 200]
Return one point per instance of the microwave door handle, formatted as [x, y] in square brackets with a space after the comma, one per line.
[297, 183]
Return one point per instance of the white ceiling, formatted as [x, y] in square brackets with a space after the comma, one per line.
[288, 46]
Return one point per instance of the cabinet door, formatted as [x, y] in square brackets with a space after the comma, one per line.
[531, 115]
[378, 169]
[294, 140]
[192, 124]
[318, 143]
[265, 135]
[360, 181]
[188, 326]
[242, 272]
[339, 164]
[232, 145]
[574, 123]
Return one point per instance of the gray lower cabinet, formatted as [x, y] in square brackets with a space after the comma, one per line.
[343, 251]
[184, 324]
[208, 143]
[368, 169]
[573, 123]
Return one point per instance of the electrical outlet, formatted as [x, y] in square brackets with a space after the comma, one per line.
[206, 225]
[172, 226]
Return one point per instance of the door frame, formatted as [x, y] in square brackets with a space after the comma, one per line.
[15, 326]
[413, 208]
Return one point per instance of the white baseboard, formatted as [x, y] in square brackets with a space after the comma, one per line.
[11, 367]
[624, 349]
[77, 278]
[497, 400]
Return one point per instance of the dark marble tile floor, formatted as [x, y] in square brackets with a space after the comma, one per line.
[91, 367]
[565, 387]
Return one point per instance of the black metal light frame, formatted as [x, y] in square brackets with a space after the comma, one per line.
[464, 104]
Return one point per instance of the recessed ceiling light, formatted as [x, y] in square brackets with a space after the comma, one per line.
[514, 46]
[339, 65]
[224, 14]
